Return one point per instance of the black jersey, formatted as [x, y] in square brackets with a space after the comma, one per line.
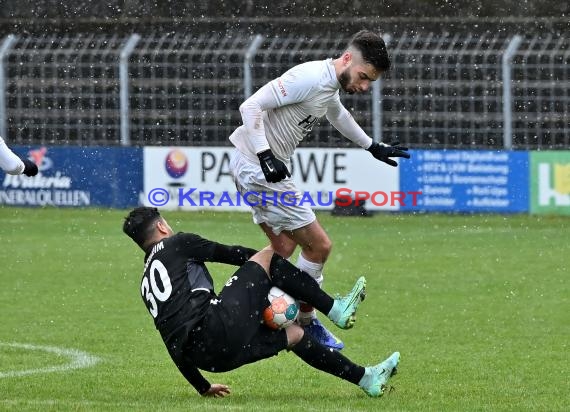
[177, 287]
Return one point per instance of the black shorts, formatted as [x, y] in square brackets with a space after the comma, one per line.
[232, 333]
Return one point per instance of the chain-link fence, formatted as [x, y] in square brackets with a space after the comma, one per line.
[62, 90]
[541, 93]
[186, 89]
[444, 91]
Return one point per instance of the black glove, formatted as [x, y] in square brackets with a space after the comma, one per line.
[273, 168]
[30, 168]
[383, 152]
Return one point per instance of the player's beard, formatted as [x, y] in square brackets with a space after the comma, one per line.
[344, 80]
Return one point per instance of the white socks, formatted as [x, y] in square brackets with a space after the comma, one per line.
[316, 271]
[312, 268]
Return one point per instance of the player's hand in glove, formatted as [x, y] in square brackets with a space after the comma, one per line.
[30, 168]
[273, 169]
[384, 152]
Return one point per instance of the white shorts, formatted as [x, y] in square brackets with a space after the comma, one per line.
[271, 203]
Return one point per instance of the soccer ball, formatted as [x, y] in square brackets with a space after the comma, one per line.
[282, 311]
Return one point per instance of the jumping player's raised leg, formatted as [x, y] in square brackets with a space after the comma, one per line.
[315, 249]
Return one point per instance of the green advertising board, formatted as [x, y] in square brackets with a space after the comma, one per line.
[550, 182]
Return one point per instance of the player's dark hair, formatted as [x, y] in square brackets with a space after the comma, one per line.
[372, 48]
[139, 224]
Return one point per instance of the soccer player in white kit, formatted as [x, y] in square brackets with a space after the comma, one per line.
[14, 165]
[275, 120]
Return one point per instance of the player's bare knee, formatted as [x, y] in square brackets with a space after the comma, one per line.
[294, 335]
[318, 251]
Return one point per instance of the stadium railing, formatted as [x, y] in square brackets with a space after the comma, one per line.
[450, 90]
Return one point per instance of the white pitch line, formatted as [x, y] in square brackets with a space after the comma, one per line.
[77, 360]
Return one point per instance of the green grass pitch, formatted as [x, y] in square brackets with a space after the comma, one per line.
[478, 306]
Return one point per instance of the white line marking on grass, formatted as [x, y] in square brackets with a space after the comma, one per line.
[77, 360]
[77, 404]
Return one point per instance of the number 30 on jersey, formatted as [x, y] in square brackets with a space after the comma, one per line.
[151, 293]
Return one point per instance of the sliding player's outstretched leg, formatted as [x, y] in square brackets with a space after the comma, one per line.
[343, 312]
[371, 379]
[302, 286]
[343, 315]
[376, 377]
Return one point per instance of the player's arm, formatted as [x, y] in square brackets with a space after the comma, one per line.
[251, 111]
[342, 120]
[197, 247]
[13, 165]
[201, 384]
[288, 89]
[292, 87]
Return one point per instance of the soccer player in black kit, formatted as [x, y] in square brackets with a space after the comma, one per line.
[220, 332]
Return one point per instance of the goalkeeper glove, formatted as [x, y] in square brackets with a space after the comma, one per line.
[384, 152]
[273, 169]
[30, 168]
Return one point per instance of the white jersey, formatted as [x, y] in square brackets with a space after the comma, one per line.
[9, 162]
[281, 113]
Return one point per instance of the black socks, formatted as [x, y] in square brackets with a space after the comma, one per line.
[298, 284]
[327, 360]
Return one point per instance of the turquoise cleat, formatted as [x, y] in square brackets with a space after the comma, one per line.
[375, 377]
[343, 312]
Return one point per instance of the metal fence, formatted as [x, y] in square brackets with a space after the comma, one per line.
[452, 90]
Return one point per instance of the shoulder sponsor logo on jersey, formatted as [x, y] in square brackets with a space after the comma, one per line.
[281, 87]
